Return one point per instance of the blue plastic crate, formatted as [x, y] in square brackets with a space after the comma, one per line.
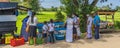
[59, 36]
[59, 23]
[58, 29]
[39, 26]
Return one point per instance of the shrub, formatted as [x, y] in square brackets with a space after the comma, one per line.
[59, 16]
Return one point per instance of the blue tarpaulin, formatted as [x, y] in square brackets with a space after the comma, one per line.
[23, 31]
[8, 5]
[58, 26]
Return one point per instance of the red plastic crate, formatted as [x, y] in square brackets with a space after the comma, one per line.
[17, 42]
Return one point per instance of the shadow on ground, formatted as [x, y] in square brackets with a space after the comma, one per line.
[93, 40]
[78, 42]
[106, 36]
[88, 40]
[102, 38]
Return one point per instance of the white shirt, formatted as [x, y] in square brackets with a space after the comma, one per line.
[51, 26]
[45, 28]
[69, 23]
[75, 20]
[90, 19]
[34, 21]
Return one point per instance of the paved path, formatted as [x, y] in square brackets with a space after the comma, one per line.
[108, 40]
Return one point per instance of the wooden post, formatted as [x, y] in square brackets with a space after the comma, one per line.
[113, 20]
[106, 16]
[106, 20]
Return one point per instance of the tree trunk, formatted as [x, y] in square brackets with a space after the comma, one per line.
[94, 2]
[85, 22]
[83, 25]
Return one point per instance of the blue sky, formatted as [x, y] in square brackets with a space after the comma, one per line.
[56, 3]
[114, 3]
[49, 3]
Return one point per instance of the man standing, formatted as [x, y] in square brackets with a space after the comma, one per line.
[96, 23]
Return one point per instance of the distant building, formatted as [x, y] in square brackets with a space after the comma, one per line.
[4, 0]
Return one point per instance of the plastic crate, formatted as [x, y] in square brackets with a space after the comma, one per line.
[7, 39]
[59, 36]
[17, 41]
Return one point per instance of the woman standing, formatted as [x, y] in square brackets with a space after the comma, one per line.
[51, 28]
[32, 23]
[24, 25]
[69, 30]
[89, 27]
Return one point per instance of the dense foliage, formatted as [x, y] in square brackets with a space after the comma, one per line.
[81, 7]
[59, 16]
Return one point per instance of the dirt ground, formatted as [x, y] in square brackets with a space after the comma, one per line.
[107, 40]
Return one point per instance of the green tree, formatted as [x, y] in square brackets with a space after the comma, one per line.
[34, 4]
[106, 7]
[53, 8]
[118, 8]
[81, 7]
[61, 8]
[59, 16]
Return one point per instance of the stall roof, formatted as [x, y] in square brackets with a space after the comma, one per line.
[8, 5]
[106, 12]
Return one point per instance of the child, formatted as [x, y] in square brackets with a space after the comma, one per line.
[45, 32]
[51, 27]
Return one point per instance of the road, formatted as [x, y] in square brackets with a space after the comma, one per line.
[107, 40]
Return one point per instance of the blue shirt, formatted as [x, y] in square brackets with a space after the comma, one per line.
[96, 20]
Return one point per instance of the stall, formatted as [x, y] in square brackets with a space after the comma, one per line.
[7, 17]
[108, 24]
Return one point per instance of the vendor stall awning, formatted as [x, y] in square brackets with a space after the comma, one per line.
[8, 5]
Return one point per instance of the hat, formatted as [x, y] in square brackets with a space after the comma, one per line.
[88, 15]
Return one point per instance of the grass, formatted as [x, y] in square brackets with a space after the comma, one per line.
[46, 16]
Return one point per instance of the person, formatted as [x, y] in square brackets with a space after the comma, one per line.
[76, 28]
[51, 28]
[32, 23]
[39, 33]
[96, 23]
[69, 29]
[45, 31]
[16, 12]
[23, 31]
[29, 13]
[89, 26]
